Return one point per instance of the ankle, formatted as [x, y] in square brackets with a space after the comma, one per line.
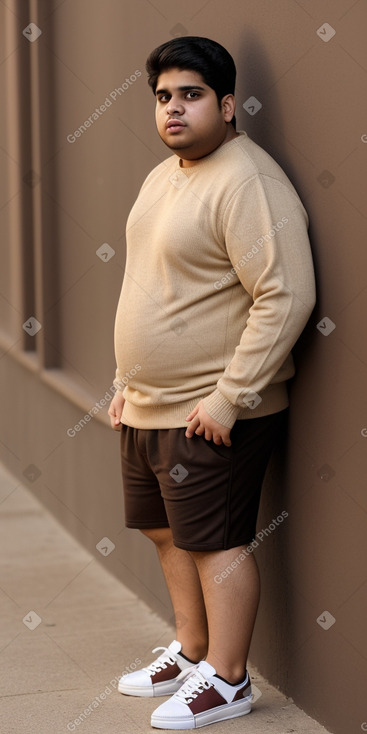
[193, 653]
[234, 675]
[233, 680]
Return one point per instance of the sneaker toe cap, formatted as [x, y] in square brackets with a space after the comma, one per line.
[137, 678]
[172, 710]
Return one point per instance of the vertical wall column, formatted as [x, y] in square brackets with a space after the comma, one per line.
[20, 178]
[44, 230]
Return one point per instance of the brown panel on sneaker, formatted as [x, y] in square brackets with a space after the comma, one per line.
[243, 692]
[168, 673]
[208, 699]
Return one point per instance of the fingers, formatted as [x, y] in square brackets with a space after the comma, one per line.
[115, 411]
[227, 441]
[192, 428]
[114, 419]
[199, 420]
[218, 439]
[192, 415]
[197, 427]
[115, 423]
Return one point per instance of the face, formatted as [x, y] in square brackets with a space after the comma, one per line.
[188, 117]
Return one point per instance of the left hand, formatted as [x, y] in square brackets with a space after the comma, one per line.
[202, 424]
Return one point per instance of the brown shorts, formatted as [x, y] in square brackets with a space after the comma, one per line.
[208, 495]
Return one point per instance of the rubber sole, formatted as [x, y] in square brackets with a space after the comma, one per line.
[220, 713]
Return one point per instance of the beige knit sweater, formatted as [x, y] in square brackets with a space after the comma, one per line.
[218, 286]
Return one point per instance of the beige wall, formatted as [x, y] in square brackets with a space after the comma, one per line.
[313, 119]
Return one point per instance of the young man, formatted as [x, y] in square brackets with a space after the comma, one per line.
[218, 286]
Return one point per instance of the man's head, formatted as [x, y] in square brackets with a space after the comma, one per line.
[193, 79]
[195, 53]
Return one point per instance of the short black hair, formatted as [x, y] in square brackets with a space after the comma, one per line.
[195, 53]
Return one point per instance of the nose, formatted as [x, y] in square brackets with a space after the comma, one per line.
[174, 107]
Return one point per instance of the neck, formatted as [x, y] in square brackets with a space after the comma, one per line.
[230, 134]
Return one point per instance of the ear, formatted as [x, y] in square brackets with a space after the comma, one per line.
[228, 105]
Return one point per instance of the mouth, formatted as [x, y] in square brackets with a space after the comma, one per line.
[175, 126]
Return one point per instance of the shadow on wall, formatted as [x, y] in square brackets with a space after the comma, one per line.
[265, 127]
[254, 67]
[271, 652]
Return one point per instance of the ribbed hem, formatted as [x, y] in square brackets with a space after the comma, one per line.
[273, 399]
[158, 416]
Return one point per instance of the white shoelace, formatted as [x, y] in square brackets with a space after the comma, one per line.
[167, 657]
[195, 685]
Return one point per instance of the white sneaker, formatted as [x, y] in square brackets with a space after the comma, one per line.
[203, 699]
[162, 677]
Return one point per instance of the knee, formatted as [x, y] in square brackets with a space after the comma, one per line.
[161, 537]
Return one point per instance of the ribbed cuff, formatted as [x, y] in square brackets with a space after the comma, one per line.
[220, 409]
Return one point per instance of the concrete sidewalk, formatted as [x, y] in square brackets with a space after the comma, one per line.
[69, 629]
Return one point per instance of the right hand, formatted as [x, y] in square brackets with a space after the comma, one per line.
[115, 411]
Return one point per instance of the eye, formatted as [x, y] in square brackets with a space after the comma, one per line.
[193, 95]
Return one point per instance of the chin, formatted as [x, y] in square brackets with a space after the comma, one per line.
[172, 145]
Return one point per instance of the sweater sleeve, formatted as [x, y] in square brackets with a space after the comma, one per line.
[265, 233]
